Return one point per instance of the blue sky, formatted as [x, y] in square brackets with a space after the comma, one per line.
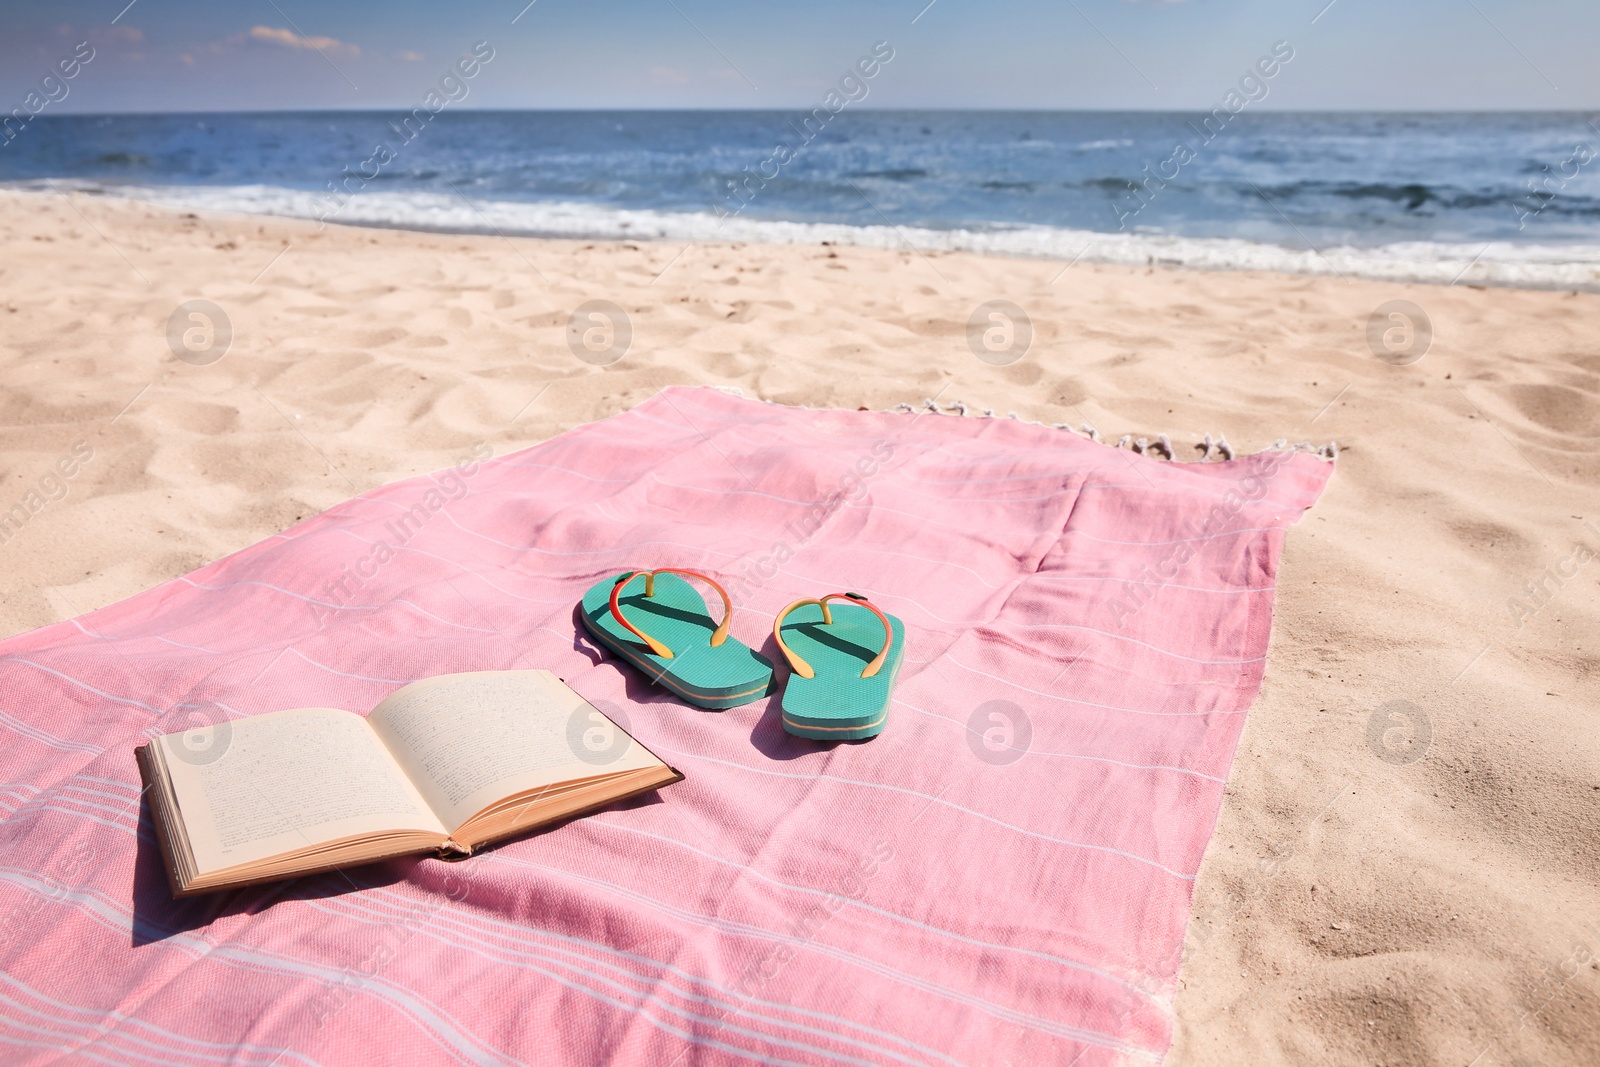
[187, 55]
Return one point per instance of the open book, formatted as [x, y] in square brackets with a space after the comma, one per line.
[445, 764]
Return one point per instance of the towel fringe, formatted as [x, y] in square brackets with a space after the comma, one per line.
[1212, 447]
[1327, 451]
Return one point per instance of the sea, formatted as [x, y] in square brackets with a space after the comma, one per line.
[1484, 199]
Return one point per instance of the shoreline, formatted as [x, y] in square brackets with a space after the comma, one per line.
[1490, 264]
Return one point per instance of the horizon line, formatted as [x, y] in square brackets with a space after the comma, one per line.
[58, 114]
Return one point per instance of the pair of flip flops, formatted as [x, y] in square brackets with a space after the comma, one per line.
[844, 655]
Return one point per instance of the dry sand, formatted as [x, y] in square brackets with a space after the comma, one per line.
[1429, 908]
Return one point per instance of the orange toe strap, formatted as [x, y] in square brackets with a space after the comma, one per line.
[717, 637]
[801, 667]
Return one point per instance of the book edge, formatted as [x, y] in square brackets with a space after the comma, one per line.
[450, 856]
[141, 756]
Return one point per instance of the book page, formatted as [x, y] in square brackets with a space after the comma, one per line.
[286, 781]
[468, 740]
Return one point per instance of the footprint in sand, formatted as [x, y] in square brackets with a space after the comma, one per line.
[378, 338]
[1558, 407]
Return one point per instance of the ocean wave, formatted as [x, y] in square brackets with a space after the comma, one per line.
[1416, 195]
[894, 174]
[1496, 263]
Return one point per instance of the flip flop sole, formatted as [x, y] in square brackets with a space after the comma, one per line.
[836, 733]
[718, 678]
[838, 704]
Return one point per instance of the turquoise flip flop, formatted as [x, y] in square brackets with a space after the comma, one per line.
[840, 687]
[683, 651]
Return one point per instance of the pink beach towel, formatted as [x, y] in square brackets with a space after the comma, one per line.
[1003, 876]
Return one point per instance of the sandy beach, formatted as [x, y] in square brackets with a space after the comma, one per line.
[1407, 866]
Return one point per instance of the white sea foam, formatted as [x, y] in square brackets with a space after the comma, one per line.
[1541, 266]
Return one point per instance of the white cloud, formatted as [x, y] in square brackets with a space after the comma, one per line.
[290, 39]
[107, 34]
